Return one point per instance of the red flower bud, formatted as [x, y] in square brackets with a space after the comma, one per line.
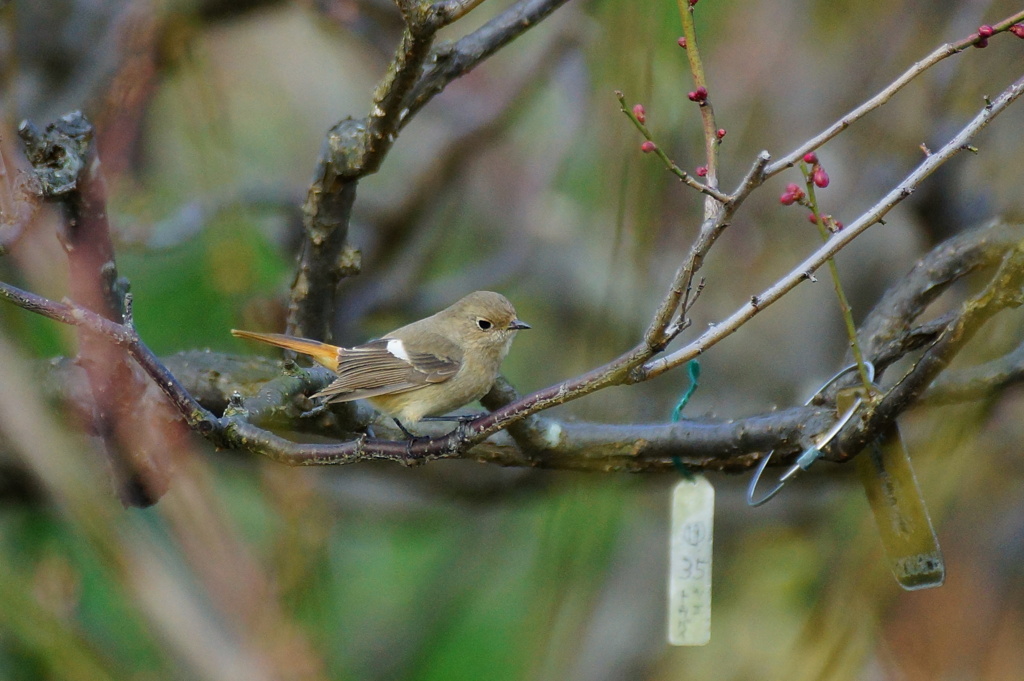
[820, 177]
[792, 194]
[837, 226]
[982, 41]
[810, 157]
[702, 171]
[698, 95]
[1017, 30]
[648, 146]
[720, 133]
[812, 218]
[639, 112]
[682, 42]
[693, 2]
[986, 31]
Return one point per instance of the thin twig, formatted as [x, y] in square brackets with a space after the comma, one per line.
[707, 111]
[449, 62]
[940, 53]
[678, 300]
[670, 165]
[845, 310]
[119, 334]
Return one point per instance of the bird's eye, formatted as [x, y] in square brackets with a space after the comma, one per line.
[484, 324]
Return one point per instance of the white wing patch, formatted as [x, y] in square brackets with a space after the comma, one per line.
[397, 348]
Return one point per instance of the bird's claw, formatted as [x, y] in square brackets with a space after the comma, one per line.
[315, 411]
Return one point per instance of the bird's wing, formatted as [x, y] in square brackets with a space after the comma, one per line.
[386, 366]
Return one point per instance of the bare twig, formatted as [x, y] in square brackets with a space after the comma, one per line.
[454, 60]
[118, 334]
[671, 165]
[940, 53]
[678, 300]
[707, 111]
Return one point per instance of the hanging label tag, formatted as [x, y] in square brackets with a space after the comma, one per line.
[907, 534]
[911, 546]
[689, 585]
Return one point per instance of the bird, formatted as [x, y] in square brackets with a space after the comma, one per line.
[424, 369]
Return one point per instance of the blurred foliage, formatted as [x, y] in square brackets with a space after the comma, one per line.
[193, 291]
[451, 572]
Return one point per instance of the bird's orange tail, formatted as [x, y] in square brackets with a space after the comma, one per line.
[323, 353]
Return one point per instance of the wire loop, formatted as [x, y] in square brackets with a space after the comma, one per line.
[812, 453]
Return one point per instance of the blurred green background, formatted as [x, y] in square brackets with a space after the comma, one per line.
[522, 177]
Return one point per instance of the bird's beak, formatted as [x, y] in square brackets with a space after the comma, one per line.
[518, 324]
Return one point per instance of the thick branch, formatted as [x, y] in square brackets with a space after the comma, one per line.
[1006, 289]
[979, 382]
[945, 264]
[352, 150]
[325, 257]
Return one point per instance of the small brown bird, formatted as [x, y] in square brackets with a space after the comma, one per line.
[426, 368]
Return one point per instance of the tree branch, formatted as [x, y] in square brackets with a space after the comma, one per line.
[944, 265]
[18, 205]
[636, 364]
[67, 169]
[451, 61]
[839, 240]
[940, 53]
[356, 148]
[703, 444]
[1006, 289]
[978, 382]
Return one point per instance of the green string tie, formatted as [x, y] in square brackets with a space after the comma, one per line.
[693, 369]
